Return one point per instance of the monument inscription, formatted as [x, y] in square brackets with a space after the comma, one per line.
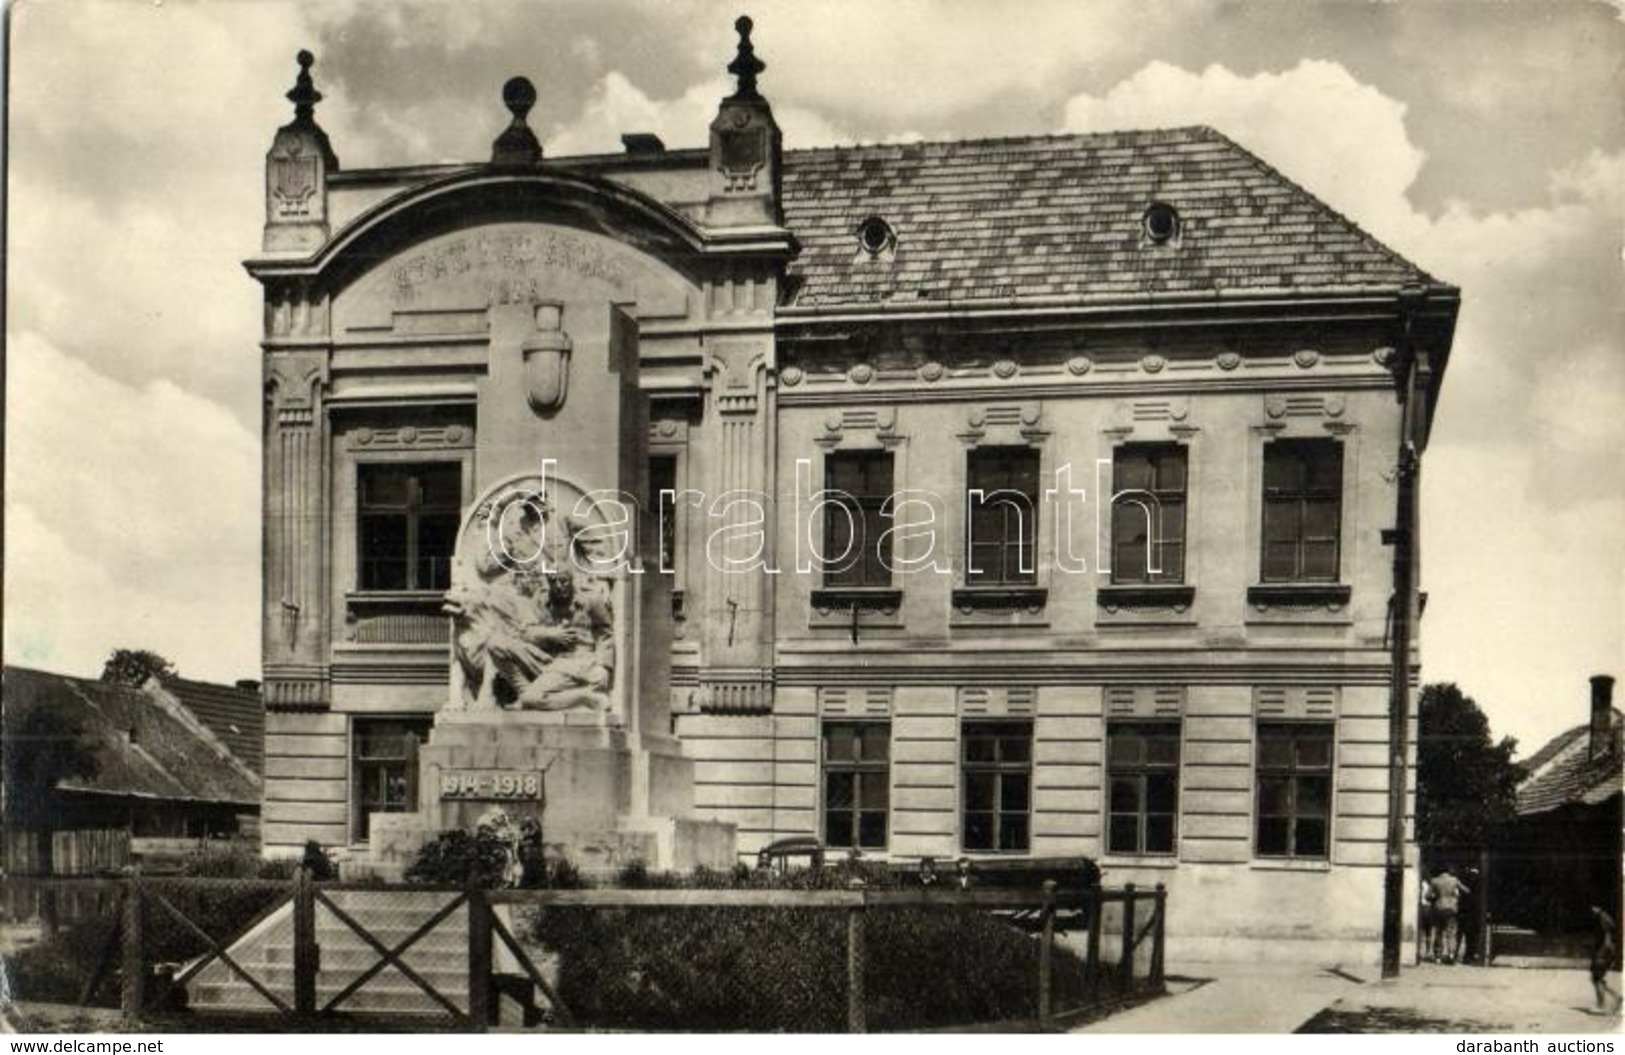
[492, 785]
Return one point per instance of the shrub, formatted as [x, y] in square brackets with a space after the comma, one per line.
[730, 968]
[55, 970]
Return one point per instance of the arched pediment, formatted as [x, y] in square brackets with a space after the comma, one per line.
[483, 196]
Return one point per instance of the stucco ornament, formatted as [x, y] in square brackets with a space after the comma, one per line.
[547, 360]
[532, 607]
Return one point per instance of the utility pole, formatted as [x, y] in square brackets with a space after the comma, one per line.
[1402, 537]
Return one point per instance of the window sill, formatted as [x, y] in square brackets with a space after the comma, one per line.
[394, 598]
[834, 600]
[1290, 864]
[1299, 595]
[1177, 597]
[1030, 599]
[1168, 862]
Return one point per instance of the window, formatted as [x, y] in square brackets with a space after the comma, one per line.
[998, 780]
[409, 518]
[384, 768]
[663, 500]
[1303, 500]
[857, 784]
[1142, 764]
[1002, 536]
[1148, 513]
[1294, 789]
[860, 484]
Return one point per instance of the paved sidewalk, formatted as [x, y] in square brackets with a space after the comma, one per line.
[1281, 998]
[1232, 998]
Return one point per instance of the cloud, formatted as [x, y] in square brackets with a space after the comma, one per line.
[132, 516]
[616, 106]
[1343, 139]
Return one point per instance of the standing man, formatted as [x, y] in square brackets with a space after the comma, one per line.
[1602, 959]
[1448, 891]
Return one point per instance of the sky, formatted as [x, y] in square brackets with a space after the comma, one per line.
[1484, 141]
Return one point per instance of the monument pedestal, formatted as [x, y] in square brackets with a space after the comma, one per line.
[602, 803]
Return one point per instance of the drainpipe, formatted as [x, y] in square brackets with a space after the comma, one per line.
[1403, 538]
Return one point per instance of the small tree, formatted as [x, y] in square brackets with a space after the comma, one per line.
[133, 666]
[1465, 782]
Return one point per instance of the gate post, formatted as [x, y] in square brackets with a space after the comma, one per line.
[135, 967]
[1045, 951]
[306, 955]
[479, 959]
[1157, 935]
[1125, 966]
[856, 1019]
[1091, 958]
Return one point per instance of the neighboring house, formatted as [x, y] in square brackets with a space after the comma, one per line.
[1562, 854]
[161, 775]
[997, 332]
[234, 713]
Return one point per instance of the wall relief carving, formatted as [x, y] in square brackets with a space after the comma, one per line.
[532, 600]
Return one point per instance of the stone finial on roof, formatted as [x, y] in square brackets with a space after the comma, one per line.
[303, 95]
[745, 65]
[296, 171]
[517, 145]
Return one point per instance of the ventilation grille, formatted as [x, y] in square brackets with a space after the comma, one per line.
[871, 701]
[1295, 701]
[1145, 701]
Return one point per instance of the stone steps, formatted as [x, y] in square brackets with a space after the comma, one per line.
[266, 952]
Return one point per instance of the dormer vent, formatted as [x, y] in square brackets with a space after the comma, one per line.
[1161, 222]
[875, 236]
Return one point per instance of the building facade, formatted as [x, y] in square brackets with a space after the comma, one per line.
[1015, 497]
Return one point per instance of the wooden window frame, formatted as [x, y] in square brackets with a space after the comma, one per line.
[1300, 500]
[413, 512]
[1294, 777]
[863, 771]
[1141, 772]
[999, 767]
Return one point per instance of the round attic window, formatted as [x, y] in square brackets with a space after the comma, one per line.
[875, 235]
[1161, 221]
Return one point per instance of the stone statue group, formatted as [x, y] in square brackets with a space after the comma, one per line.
[533, 624]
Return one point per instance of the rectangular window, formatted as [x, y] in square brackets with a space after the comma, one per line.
[1002, 504]
[857, 784]
[1148, 513]
[384, 767]
[1142, 772]
[996, 759]
[859, 485]
[1294, 808]
[409, 515]
[663, 500]
[1303, 510]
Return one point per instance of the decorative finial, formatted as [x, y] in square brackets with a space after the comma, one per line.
[303, 94]
[746, 65]
[517, 145]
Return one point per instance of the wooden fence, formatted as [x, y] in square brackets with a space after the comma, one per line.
[1129, 964]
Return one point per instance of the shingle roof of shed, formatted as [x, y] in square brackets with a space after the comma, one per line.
[1563, 772]
[144, 746]
[1060, 216]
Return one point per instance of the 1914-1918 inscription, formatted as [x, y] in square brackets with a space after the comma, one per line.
[500, 785]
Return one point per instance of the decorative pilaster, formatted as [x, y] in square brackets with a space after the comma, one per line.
[295, 573]
[740, 521]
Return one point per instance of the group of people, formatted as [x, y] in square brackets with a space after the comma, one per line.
[1444, 938]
